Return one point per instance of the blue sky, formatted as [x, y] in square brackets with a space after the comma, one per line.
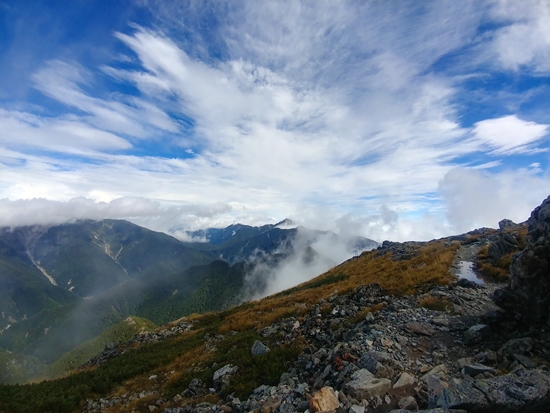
[393, 120]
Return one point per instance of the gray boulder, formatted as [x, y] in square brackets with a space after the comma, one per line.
[476, 334]
[222, 376]
[365, 386]
[516, 346]
[259, 348]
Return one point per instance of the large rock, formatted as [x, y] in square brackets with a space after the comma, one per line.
[222, 376]
[324, 400]
[530, 269]
[365, 386]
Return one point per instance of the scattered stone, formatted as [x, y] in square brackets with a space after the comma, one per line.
[259, 348]
[440, 370]
[463, 362]
[516, 346]
[477, 368]
[525, 361]
[408, 403]
[223, 376]
[355, 408]
[420, 328]
[476, 334]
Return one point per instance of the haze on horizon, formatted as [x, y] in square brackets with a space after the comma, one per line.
[390, 120]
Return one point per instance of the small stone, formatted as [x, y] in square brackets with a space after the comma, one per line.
[405, 382]
[476, 334]
[402, 340]
[365, 386]
[152, 408]
[477, 368]
[356, 408]
[441, 322]
[525, 361]
[439, 370]
[424, 368]
[420, 328]
[408, 403]
[386, 342]
[259, 348]
[486, 357]
[463, 362]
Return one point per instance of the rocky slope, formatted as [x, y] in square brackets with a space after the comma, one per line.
[400, 357]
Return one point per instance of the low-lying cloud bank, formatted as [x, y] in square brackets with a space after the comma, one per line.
[307, 255]
[465, 199]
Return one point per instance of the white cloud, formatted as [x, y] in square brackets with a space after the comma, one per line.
[278, 109]
[509, 134]
[65, 134]
[142, 211]
[525, 38]
[135, 117]
[477, 198]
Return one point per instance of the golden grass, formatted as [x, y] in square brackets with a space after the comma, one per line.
[430, 266]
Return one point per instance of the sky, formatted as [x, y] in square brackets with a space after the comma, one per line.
[400, 120]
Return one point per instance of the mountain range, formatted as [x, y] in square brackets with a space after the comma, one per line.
[66, 284]
[394, 329]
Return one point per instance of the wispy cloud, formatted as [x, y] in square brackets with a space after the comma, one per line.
[274, 109]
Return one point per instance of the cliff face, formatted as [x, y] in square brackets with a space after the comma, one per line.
[530, 269]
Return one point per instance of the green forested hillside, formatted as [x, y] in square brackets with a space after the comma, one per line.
[119, 333]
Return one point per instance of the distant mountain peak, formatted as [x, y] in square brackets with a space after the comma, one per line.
[284, 223]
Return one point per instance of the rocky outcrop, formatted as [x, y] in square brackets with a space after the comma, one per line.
[529, 290]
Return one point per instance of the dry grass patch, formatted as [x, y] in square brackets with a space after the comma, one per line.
[436, 304]
[429, 266]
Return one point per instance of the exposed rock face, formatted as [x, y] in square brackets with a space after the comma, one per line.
[530, 270]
